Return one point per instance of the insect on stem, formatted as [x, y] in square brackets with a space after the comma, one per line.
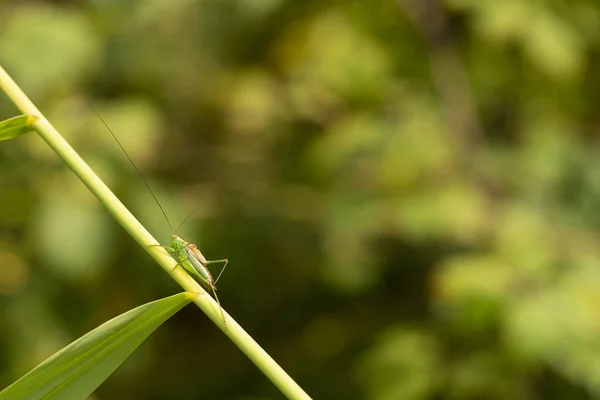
[185, 253]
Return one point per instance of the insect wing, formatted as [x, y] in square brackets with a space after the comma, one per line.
[192, 248]
[197, 260]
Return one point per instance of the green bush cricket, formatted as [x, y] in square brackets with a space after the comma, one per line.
[185, 253]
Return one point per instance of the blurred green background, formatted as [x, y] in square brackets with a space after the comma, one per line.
[408, 192]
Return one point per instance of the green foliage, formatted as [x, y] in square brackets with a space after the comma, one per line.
[16, 126]
[78, 369]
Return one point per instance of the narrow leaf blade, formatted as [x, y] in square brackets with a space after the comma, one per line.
[16, 126]
[78, 369]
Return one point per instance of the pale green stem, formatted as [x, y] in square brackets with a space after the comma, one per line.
[235, 332]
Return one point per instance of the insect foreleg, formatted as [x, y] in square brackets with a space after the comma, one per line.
[168, 248]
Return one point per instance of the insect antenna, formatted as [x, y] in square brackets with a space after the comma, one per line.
[186, 218]
[132, 163]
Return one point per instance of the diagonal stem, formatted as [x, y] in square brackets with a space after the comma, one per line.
[233, 330]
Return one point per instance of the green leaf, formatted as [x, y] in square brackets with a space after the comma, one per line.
[16, 126]
[78, 369]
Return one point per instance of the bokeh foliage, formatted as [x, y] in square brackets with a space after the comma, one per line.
[407, 191]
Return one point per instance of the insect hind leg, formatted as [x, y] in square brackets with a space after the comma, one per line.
[220, 308]
[225, 261]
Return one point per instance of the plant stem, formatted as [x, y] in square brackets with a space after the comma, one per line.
[235, 332]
